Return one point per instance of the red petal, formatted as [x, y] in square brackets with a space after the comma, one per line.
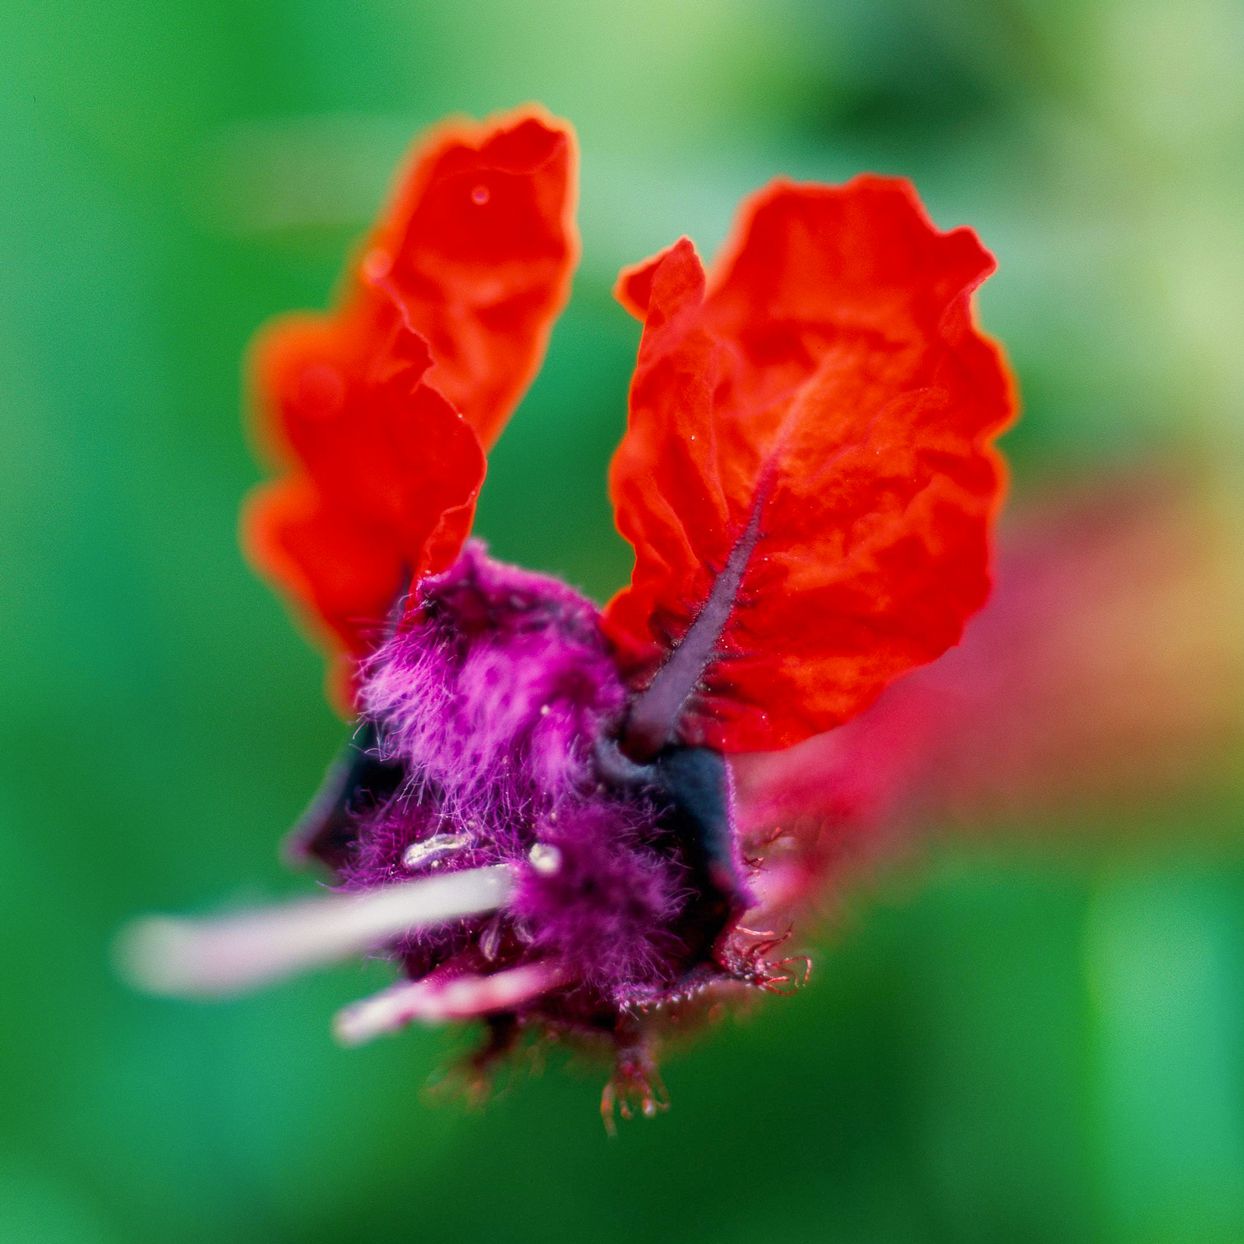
[477, 249]
[386, 476]
[807, 476]
[339, 568]
[449, 310]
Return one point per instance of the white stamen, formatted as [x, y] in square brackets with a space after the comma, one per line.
[420, 852]
[545, 858]
[232, 953]
[432, 1002]
[490, 938]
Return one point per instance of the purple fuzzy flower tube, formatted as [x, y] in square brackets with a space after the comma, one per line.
[489, 731]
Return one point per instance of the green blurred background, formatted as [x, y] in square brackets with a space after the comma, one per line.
[1006, 1039]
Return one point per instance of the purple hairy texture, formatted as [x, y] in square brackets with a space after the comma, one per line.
[495, 692]
[611, 904]
[491, 719]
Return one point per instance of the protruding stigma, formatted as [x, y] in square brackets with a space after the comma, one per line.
[230, 954]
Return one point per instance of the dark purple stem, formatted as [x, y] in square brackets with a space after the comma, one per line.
[655, 711]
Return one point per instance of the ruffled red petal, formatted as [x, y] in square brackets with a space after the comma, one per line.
[385, 476]
[807, 476]
[377, 409]
[477, 249]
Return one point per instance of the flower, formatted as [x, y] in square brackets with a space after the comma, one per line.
[535, 817]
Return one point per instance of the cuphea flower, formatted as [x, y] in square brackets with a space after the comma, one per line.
[535, 816]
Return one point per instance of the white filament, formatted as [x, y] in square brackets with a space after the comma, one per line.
[433, 1001]
[232, 953]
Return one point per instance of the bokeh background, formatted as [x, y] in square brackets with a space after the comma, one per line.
[1028, 1028]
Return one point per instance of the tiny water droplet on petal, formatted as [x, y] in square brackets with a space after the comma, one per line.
[377, 264]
